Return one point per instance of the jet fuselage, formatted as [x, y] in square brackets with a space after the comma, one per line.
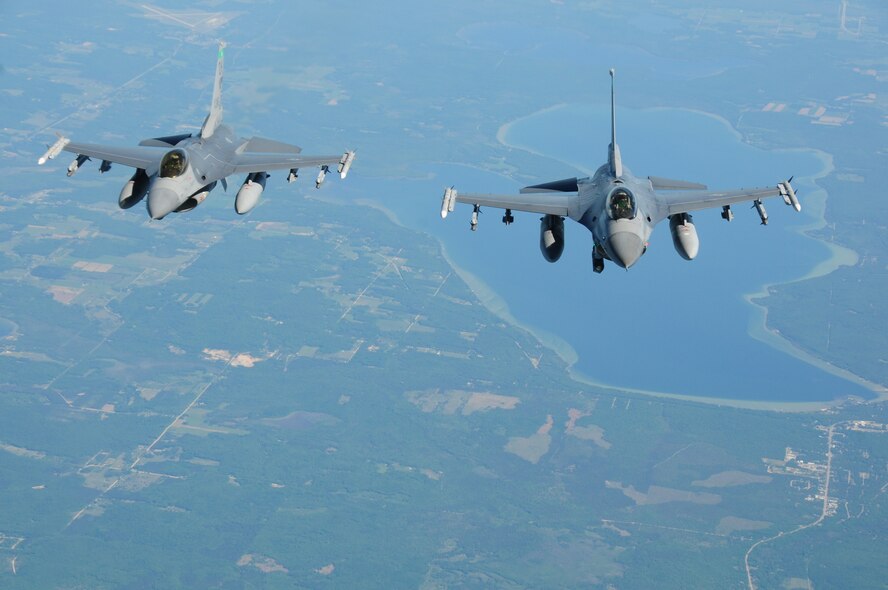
[177, 172]
[620, 235]
[206, 162]
[619, 209]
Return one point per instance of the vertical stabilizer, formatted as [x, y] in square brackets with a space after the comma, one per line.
[214, 118]
[613, 152]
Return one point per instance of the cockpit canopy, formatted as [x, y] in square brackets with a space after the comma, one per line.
[173, 164]
[621, 204]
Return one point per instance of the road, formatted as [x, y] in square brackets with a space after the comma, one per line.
[823, 511]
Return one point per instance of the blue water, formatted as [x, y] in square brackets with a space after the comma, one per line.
[668, 324]
[7, 328]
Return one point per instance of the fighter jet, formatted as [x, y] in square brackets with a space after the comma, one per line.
[619, 209]
[177, 172]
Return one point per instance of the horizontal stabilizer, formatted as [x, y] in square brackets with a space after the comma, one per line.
[167, 141]
[668, 184]
[568, 185]
[260, 145]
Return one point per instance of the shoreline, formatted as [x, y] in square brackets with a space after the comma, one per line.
[757, 327]
[498, 306]
[504, 129]
[838, 256]
[758, 322]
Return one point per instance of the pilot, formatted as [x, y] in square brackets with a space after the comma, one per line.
[621, 205]
[173, 164]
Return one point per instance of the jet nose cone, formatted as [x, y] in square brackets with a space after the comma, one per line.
[161, 201]
[626, 248]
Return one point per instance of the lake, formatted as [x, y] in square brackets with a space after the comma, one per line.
[667, 325]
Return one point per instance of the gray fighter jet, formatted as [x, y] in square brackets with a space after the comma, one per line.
[619, 209]
[177, 172]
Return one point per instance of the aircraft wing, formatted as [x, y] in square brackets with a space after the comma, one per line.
[685, 202]
[549, 203]
[253, 162]
[144, 157]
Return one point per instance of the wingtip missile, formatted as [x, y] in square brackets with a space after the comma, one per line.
[54, 150]
[345, 163]
[789, 195]
[449, 201]
[793, 198]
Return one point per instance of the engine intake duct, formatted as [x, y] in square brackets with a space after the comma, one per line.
[134, 190]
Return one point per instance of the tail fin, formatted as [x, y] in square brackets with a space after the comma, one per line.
[613, 152]
[214, 118]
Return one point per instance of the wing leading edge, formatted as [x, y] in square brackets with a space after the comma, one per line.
[144, 157]
[686, 202]
[547, 203]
